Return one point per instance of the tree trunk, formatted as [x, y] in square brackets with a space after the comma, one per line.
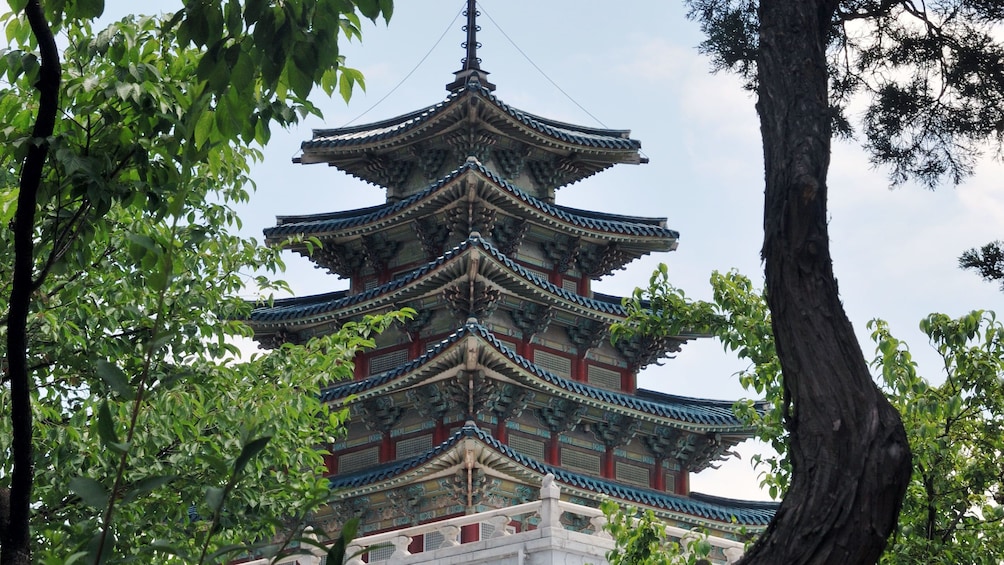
[15, 539]
[849, 453]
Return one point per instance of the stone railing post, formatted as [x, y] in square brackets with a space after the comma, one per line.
[550, 511]
[599, 527]
[733, 554]
[316, 551]
[451, 536]
[401, 544]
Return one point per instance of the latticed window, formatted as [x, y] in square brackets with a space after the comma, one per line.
[388, 361]
[603, 378]
[632, 474]
[570, 285]
[529, 447]
[358, 460]
[488, 529]
[413, 446]
[561, 366]
[670, 482]
[432, 541]
[380, 553]
[576, 460]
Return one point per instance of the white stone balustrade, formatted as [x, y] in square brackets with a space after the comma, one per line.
[550, 542]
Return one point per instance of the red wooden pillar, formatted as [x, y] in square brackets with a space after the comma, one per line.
[628, 381]
[361, 366]
[416, 348]
[525, 349]
[553, 450]
[659, 480]
[387, 448]
[581, 370]
[609, 465]
[501, 432]
[439, 433]
[683, 481]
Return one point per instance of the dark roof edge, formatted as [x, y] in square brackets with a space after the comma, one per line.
[722, 510]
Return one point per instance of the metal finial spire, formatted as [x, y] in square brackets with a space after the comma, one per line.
[472, 28]
[470, 64]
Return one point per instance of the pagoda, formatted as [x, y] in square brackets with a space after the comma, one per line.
[506, 374]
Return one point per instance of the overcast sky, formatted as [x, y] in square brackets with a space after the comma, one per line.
[636, 66]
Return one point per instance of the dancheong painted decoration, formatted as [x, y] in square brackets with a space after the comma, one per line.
[507, 373]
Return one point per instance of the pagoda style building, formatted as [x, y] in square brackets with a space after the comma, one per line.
[506, 374]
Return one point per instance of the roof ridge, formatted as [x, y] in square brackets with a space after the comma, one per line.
[697, 411]
[414, 274]
[600, 221]
[715, 508]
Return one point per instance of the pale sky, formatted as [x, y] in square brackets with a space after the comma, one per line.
[635, 66]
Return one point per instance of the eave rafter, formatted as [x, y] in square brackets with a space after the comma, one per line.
[474, 114]
[471, 450]
[478, 365]
[472, 280]
[474, 200]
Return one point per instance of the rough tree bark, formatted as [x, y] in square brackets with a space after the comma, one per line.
[15, 540]
[849, 453]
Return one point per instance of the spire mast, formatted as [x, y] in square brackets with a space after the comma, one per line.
[470, 64]
[471, 61]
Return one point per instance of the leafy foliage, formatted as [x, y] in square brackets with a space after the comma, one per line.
[927, 74]
[954, 506]
[740, 319]
[150, 436]
[640, 539]
[988, 261]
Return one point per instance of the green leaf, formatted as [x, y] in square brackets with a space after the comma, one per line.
[387, 7]
[8, 205]
[89, 9]
[214, 498]
[249, 451]
[90, 491]
[17, 5]
[369, 8]
[336, 554]
[218, 465]
[147, 485]
[106, 425]
[115, 379]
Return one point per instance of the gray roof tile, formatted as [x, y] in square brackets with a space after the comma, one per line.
[617, 140]
[742, 512]
[599, 221]
[705, 412]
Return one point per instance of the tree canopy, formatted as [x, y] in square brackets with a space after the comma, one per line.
[953, 511]
[919, 83]
[929, 79]
[134, 428]
[988, 261]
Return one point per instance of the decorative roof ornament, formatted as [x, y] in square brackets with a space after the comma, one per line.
[470, 65]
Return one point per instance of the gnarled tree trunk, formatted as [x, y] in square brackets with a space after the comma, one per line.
[849, 452]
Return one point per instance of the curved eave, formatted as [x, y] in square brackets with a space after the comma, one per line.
[647, 234]
[403, 129]
[726, 514]
[450, 268]
[448, 356]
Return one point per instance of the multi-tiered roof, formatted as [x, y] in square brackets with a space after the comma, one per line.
[506, 373]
